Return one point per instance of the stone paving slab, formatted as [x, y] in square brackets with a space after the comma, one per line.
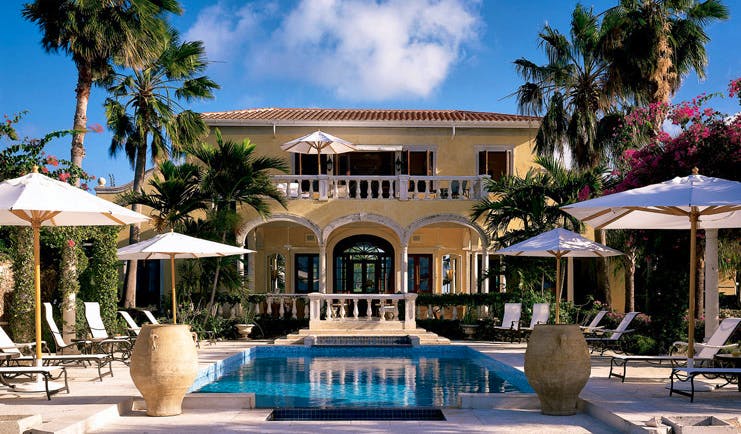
[609, 405]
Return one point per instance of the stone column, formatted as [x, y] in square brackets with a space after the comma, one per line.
[712, 303]
[485, 260]
[475, 272]
[323, 268]
[404, 269]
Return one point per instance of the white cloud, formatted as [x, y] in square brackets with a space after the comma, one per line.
[376, 50]
[224, 30]
[670, 128]
[357, 49]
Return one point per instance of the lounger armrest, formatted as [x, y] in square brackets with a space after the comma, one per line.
[722, 347]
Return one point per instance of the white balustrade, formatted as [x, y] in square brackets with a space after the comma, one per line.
[345, 308]
[369, 187]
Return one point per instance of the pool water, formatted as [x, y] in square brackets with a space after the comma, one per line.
[317, 377]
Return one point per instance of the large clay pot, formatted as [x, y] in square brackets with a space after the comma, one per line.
[164, 364]
[557, 366]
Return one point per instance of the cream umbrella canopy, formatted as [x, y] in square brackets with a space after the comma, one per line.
[691, 202]
[559, 243]
[36, 200]
[172, 245]
[318, 143]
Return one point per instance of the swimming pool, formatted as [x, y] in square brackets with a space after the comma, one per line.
[321, 377]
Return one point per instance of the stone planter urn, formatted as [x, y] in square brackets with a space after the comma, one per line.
[469, 330]
[164, 364]
[557, 366]
[244, 330]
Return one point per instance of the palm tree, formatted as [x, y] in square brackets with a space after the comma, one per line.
[141, 111]
[651, 45]
[173, 197]
[234, 176]
[569, 91]
[527, 206]
[96, 34]
[523, 207]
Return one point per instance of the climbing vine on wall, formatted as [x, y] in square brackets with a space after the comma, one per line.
[99, 281]
[22, 301]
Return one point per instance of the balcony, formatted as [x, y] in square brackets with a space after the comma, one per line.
[400, 187]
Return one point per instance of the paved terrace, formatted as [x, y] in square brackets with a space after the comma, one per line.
[609, 405]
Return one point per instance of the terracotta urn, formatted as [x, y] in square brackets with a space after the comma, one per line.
[164, 364]
[557, 366]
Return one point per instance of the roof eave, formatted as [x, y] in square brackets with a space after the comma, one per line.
[525, 124]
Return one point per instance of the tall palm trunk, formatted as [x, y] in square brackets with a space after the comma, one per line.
[82, 92]
[135, 230]
[663, 76]
[216, 278]
[630, 280]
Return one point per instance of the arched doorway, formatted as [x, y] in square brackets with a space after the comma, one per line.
[364, 264]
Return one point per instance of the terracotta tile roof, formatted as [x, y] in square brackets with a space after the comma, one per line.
[319, 115]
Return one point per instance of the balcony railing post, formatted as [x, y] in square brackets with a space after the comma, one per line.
[315, 308]
[323, 187]
[403, 187]
[410, 303]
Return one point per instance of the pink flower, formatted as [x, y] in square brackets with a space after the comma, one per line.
[97, 128]
[64, 176]
[584, 193]
[52, 160]
[71, 243]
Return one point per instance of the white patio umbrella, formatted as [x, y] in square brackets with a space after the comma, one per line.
[172, 245]
[559, 243]
[692, 202]
[318, 143]
[36, 200]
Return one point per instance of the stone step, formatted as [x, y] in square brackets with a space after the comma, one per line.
[425, 337]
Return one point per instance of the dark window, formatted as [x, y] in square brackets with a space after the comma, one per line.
[306, 275]
[493, 163]
[493, 274]
[419, 273]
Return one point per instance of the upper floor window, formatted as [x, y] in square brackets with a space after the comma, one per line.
[493, 163]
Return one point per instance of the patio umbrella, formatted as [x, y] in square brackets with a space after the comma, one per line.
[318, 143]
[36, 200]
[558, 243]
[172, 245]
[692, 202]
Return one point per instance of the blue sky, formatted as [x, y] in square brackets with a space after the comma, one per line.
[421, 54]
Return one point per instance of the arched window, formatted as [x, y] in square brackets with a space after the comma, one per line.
[364, 264]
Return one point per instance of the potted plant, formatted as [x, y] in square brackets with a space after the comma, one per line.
[245, 315]
[470, 321]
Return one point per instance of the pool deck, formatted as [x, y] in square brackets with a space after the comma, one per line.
[608, 405]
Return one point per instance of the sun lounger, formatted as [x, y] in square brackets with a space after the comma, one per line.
[612, 341]
[541, 312]
[594, 326]
[150, 317]
[704, 356]
[684, 375]
[47, 372]
[20, 360]
[510, 322]
[101, 339]
[130, 323]
[81, 345]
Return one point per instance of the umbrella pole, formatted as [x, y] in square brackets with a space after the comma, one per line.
[558, 287]
[174, 300]
[36, 227]
[694, 213]
[318, 164]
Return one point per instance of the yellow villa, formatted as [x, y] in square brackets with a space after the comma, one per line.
[390, 217]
